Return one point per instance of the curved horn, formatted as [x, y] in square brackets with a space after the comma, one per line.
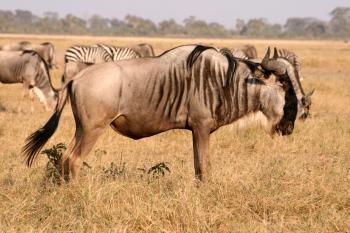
[310, 93]
[273, 65]
[266, 58]
[275, 54]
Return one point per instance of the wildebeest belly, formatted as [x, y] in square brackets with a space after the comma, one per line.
[137, 127]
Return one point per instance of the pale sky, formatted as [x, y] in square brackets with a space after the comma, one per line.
[222, 11]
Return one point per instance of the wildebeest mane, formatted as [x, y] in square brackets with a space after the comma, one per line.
[232, 61]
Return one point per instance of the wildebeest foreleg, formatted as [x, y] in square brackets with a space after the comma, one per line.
[201, 153]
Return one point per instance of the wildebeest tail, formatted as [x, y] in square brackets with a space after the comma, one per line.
[36, 141]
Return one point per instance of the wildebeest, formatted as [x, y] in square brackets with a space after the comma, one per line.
[190, 87]
[46, 50]
[29, 68]
[145, 50]
[245, 51]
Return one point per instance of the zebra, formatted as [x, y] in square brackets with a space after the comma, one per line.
[46, 50]
[120, 53]
[191, 87]
[79, 57]
[29, 68]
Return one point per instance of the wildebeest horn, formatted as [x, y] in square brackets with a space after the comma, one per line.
[310, 93]
[275, 54]
[273, 65]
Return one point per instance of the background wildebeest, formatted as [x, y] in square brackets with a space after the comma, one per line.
[29, 68]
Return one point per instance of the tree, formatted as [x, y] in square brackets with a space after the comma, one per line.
[340, 22]
[140, 26]
[261, 28]
[74, 25]
[50, 23]
[306, 27]
[99, 25]
[170, 27]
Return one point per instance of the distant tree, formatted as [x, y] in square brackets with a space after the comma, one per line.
[50, 23]
[119, 27]
[74, 25]
[261, 28]
[26, 21]
[306, 27]
[140, 26]
[8, 22]
[240, 26]
[170, 27]
[99, 25]
[340, 22]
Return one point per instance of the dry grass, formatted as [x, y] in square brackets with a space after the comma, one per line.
[299, 183]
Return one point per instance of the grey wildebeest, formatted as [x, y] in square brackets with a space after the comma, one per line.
[29, 68]
[145, 50]
[46, 50]
[190, 87]
[246, 51]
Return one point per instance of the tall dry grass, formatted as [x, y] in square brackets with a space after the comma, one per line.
[299, 183]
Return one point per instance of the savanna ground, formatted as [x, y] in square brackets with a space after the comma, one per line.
[298, 183]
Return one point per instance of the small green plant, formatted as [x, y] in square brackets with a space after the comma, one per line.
[54, 165]
[158, 169]
[115, 170]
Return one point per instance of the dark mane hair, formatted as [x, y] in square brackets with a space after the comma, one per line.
[232, 61]
[34, 53]
[47, 43]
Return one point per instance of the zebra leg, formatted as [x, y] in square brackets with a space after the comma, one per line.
[82, 149]
[201, 153]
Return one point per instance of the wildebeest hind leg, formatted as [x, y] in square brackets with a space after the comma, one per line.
[65, 157]
[83, 146]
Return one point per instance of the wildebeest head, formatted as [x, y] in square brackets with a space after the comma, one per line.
[304, 101]
[284, 73]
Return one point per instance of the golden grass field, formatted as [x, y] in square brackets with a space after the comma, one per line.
[298, 183]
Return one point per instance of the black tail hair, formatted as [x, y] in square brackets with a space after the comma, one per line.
[36, 141]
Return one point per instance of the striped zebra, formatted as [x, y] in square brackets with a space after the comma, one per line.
[191, 87]
[79, 57]
[120, 53]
